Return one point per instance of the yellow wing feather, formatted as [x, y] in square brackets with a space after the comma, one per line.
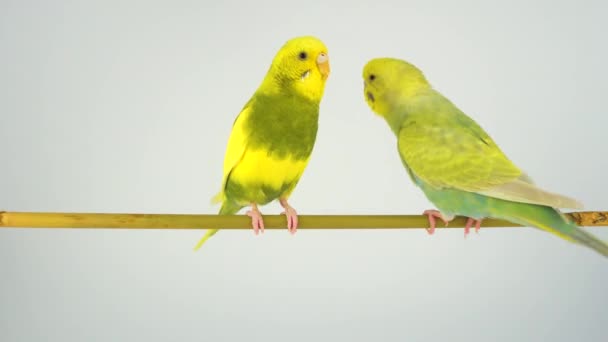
[237, 145]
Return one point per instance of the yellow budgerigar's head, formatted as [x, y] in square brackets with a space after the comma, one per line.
[301, 66]
[389, 82]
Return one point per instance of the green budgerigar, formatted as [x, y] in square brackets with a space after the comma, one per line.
[457, 165]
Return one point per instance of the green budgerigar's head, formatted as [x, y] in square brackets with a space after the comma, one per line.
[390, 82]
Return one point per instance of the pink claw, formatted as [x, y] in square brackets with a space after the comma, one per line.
[467, 226]
[432, 214]
[292, 216]
[256, 220]
[292, 220]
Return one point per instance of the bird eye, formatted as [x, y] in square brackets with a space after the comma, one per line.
[372, 77]
[302, 55]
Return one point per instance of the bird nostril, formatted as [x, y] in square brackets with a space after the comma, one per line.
[322, 58]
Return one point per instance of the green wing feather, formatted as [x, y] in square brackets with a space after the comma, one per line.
[445, 148]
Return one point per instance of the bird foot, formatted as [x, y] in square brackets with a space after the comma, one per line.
[257, 223]
[432, 214]
[292, 216]
[470, 222]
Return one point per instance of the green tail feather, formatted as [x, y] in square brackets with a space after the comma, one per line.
[228, 208]
[552, 221]
[453, 201]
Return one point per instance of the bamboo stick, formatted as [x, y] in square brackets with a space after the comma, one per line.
[181, 221]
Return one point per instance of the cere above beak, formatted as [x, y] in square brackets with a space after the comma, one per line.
[323, 64]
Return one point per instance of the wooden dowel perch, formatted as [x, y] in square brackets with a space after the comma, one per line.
[176, 221]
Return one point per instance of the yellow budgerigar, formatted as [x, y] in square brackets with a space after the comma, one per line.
[273, 136]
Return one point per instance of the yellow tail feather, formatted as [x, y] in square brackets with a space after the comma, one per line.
[207, 235]
[228, 208]
[218, 198]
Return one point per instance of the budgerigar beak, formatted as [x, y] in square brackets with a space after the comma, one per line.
[323, 64]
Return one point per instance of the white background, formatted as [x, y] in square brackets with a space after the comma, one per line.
[126, 106]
